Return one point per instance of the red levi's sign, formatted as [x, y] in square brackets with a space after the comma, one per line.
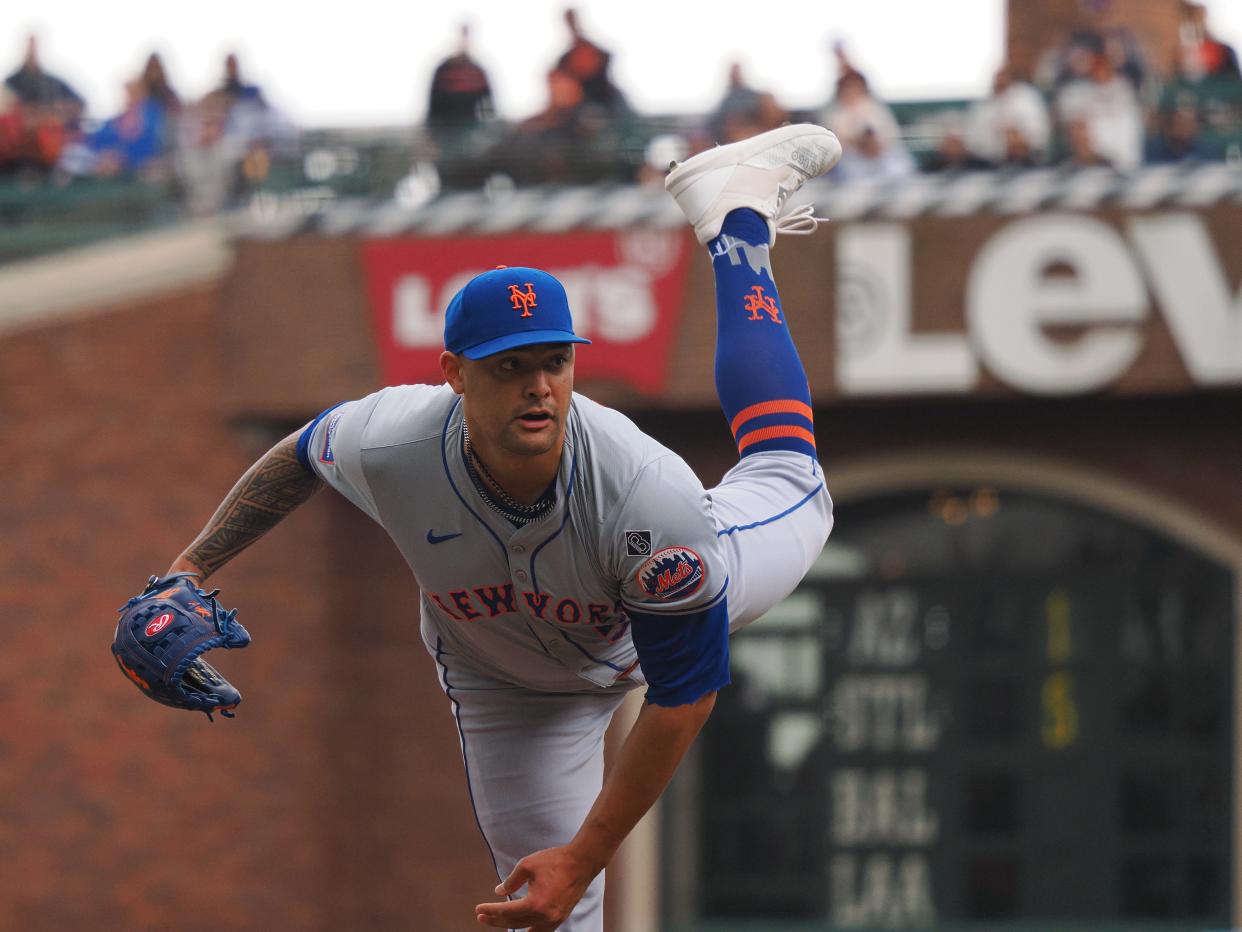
[625, 292]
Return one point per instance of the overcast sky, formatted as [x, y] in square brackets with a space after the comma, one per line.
[368, 62]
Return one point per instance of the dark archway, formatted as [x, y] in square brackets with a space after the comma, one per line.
[985, 705]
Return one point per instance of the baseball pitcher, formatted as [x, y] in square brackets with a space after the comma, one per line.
[564, 558]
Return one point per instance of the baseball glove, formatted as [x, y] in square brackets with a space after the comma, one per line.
[162, 634]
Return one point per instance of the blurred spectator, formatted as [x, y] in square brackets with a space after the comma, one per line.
[1073, 59]
[769, 115]
[588, 64]
[1081, 144]
[1121, 47]
[460, 117]
[252, 124]
[1108, 109]
[1068, 61]
[38, 90]
[743, 111]
[1201, 55]
[872, 159]
[739, 101]
[1097, 33]
[1179, 140]
[232, 87]
[461, 95]
[1018, 152]
[48, 111]
[870, 137]
[571, 141]
[1012, 125]
[227, 140]
[12, 131]
[130, 143]
[207, 161]
[854, 110]
[952, 153]
[567, 103]
[136, 141]
[545, 143]
[155, 82]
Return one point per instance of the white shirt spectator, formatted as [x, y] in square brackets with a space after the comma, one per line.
[853, 112]
[1013, 105]
[1111, 111]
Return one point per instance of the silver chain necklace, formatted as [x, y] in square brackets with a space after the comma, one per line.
[503, 503]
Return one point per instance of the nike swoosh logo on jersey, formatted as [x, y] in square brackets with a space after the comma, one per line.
[434, 538]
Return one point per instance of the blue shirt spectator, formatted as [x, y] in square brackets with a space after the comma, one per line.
[132, 139]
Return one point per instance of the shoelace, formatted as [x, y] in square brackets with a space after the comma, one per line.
[800, 221]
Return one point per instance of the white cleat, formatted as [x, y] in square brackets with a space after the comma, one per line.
[759, 173]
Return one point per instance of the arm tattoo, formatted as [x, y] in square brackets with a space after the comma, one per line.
[269, 490]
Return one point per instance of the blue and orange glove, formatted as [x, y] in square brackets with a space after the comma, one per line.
[161, 637]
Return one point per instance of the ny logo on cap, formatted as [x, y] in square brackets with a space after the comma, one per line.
[523, 300]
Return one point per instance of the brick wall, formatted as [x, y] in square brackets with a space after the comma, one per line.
[335, 799]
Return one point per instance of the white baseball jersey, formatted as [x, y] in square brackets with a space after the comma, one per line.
[544, 606]
[529, 627]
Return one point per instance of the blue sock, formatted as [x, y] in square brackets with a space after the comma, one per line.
[759, 378]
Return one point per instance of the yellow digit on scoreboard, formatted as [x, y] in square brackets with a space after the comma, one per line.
[1060, 711]
[1060, 638]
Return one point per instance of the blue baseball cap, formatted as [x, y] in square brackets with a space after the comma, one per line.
[506, 308]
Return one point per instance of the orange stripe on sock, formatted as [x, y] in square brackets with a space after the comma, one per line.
[780, 430]
[770, 407]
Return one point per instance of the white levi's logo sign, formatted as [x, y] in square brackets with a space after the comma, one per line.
[1166, 260]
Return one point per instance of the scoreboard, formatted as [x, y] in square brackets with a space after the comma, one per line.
[1026, 719]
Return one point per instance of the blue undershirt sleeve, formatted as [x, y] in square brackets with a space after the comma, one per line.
[684, 657]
